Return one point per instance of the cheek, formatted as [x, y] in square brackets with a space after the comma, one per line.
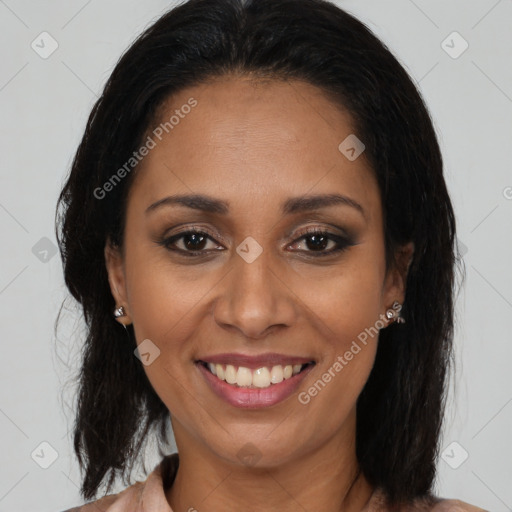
[162, 299]
[161, 295]
[348, 326]
[346, 299]
[346, 307]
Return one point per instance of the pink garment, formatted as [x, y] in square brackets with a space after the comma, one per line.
[146, 496]
[149, 496]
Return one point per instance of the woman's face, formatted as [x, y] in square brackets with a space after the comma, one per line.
[248, 166]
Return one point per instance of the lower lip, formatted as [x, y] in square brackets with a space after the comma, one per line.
[254, 398]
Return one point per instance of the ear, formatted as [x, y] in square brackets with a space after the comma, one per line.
[396, 278]
[117, 280]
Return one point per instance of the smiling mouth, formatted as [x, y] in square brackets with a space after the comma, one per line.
[260, 378]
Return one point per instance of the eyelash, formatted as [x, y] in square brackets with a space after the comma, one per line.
[342, 242]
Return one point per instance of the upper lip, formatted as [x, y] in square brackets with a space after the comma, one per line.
[254, 362]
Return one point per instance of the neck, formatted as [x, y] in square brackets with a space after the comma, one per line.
[325, 479]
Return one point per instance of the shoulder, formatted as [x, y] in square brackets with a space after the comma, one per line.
[451, 505]
[133, 498]
[429, 503]
[103, 504]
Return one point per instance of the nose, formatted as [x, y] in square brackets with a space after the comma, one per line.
[254, 298]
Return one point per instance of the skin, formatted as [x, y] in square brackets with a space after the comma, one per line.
[255, 144]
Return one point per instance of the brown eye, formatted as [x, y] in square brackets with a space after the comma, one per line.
[194, 241]
[322, 242]
[317, 242]
[189, 243]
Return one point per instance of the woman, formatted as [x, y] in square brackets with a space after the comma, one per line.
[257, 227]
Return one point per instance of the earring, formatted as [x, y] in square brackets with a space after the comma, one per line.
[394, 312]
[119, 312]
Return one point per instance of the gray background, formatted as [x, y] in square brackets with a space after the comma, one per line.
[44, 105]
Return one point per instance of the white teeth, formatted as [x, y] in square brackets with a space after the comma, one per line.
[244, 376]
[276, 375]
[259, 378]
[230, 374]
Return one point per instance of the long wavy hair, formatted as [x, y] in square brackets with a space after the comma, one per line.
[401, 408]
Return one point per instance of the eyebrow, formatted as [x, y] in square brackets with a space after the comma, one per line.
[290, 206]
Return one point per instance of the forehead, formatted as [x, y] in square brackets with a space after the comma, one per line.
[253, 141]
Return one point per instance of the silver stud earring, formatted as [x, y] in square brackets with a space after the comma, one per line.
[394, 312]
[119, 312]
